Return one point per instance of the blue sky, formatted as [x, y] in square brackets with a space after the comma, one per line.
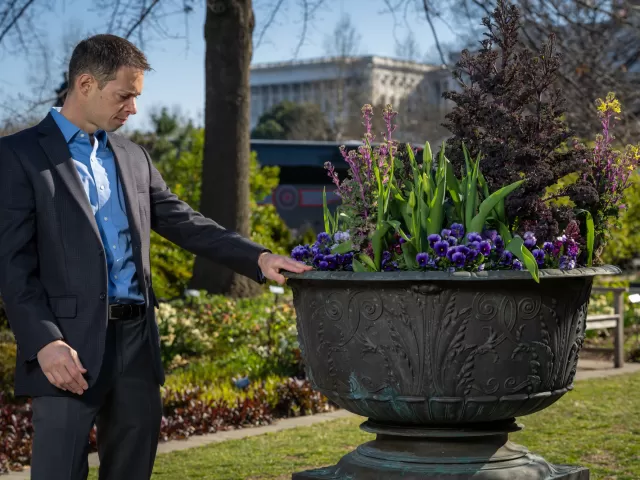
[178, 77]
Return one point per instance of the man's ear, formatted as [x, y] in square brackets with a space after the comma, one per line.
[85, 83]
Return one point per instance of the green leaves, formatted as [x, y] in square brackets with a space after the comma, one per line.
[436, 202]
[376, 242]
[326, 213]
[367, 262]
[591, 235]
[358, 266]
[489, 203]
[471, 196]
[522, 253]
[342, 248]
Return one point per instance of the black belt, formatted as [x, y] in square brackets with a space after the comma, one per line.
[126, 311]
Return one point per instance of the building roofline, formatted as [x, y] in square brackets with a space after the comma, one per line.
[374, 59]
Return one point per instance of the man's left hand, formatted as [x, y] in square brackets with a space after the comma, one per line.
[271, 264]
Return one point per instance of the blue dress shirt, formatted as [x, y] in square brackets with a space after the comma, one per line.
[97, 169]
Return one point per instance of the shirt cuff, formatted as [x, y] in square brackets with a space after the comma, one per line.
[261, 278]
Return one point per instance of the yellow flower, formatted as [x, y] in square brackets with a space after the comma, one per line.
[610, 104]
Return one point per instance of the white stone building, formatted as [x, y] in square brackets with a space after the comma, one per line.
[342, 85]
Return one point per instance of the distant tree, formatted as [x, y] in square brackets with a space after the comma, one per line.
[169, 136]
[408, 49]
[293, 121]
[343, 44]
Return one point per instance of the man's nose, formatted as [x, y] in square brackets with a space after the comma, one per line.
[132, 108]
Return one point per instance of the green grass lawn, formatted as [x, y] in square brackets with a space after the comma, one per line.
[597, 425]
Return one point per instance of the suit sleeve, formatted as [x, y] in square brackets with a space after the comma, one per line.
[178, 222]
[30, 317]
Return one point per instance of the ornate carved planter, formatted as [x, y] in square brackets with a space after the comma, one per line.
[442, 364]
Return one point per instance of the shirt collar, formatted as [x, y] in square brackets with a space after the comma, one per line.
[69, 130]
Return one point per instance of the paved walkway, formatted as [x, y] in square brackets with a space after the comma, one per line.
[599, 369]
[587, 369]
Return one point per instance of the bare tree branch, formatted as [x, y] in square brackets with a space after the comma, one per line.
[309, 10]
[15, 19]
[427, 11]
[141, 19]
[113, 17]
[269, 21]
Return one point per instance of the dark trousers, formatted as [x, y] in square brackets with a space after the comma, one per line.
[125, 406]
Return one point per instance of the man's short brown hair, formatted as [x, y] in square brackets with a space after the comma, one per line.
[102, 56]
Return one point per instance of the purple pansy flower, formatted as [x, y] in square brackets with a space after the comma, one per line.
[324, 237]
[572, 248]
[332, 261]
[548, 247]
[474, 237]
[539, 255]
[459, 259]
[507, 258]
[300, 253]
[491, 235]
[340, 237]
[433, 239]
[422, 259]
[441, 248]
[474, 245]
[485, 248]
[529, 240]
[457, 230]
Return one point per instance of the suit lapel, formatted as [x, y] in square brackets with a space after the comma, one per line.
[57, 151]
[127, 177]
[123, 159]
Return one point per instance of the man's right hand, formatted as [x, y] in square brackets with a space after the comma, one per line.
[61, 365]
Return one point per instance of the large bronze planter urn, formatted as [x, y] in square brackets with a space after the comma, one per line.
[442, 364]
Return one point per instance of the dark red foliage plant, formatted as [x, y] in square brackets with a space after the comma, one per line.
[508, 110]
[186, 413]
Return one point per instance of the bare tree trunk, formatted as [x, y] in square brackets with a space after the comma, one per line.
[225, 168]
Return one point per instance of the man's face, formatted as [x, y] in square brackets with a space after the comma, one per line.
[108, 108]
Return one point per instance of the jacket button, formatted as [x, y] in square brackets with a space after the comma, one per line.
[103, 296]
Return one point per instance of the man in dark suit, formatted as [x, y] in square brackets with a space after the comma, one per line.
[77, 203]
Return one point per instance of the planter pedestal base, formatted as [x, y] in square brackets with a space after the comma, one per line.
[477, 452]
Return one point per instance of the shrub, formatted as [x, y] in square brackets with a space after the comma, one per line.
[172, 266]
[509, 111]
[624, 244]
[7, 363]
[15, 434]
[239, 337]
[187, 411]
[4, 321]
[483, 203]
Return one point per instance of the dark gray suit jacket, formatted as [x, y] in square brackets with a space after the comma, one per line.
[53, 271]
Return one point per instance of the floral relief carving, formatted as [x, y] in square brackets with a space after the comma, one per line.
[401, 351]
